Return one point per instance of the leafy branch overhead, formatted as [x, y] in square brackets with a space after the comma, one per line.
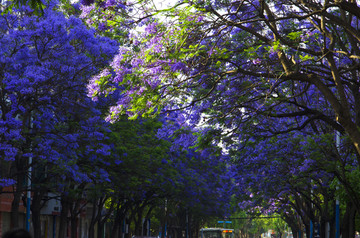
[248, 72]
[224, 98]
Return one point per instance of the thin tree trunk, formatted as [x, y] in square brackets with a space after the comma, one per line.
[138, 221]
[35, 209]
[63, 217]
[348, 221]
[93, 220]
[18, 191]
[74, 226]
[100, 230]
[14, 216]
[119, 217]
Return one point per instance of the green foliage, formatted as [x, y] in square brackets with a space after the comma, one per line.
[36, 5]
[294, 35]
[306, 57]
[277, 45]
[252, 51]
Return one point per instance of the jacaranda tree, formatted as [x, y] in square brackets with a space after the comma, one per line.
[290, 175]
[241, 61]
[267, 52]
[195, 179]
[247, 68]
[46, 116]
[153, 174]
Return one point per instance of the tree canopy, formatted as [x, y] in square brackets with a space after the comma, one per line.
[248, 96]
[49, 124]
[245, 60]
[268, 80]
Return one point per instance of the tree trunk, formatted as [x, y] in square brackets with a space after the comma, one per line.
[63, 216]
[74, 226]
[101, 227]
[14, 216]
[18, 192]
[93, 220]
[348, 221]
[119, 217]
[35, 209]
[138, 220]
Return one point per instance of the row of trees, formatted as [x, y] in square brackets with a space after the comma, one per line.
[49, 124]
[274, 81]
[270, 81]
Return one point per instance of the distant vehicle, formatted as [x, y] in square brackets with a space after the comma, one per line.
[216, 233]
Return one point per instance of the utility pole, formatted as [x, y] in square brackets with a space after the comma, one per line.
[337, 205]
[28, 194]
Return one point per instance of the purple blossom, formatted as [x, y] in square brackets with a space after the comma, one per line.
[44, 83]
[256, 61]
[86, 10]
[178, 66]
[117, 162]
[151, 28]
[102, 26]
[110, 3]
[5, 182]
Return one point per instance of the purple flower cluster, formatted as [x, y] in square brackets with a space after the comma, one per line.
[260, 78]
[45, 113]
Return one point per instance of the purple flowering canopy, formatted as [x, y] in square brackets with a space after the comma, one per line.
[45, 113]
[249, 70]
[150, 164]
[236, 63]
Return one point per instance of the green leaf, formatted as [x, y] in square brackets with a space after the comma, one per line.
[306, 57]
[294, 35]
